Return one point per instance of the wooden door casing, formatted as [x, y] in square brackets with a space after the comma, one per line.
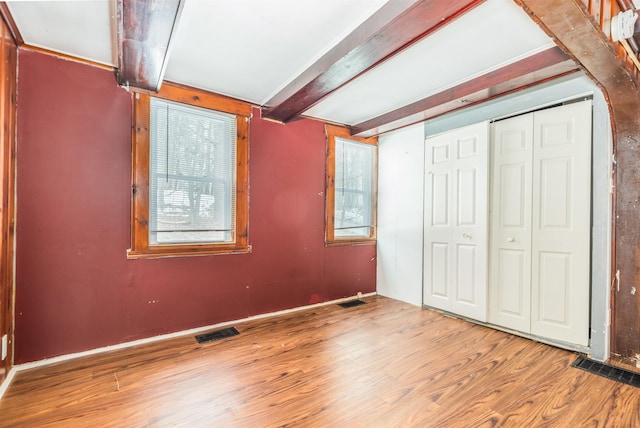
[8, 69]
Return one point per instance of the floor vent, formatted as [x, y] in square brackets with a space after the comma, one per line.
[610, 372]
[352, 303]
[217, 335]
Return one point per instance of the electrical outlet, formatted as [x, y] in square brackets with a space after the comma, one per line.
[4, 347]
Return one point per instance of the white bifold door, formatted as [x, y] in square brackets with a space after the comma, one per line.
[455, 221]
[540, 223]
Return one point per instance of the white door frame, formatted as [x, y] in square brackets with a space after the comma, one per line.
[567, 88]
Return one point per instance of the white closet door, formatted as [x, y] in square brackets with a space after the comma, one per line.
[455, 253]
[540, 223]
[561, 223]
[438, 221]
[510, 275]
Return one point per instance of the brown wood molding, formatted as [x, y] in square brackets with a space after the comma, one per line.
[332, 132]
[141, 248]
[8, 112]
[397, 25]
[538, 68]
[66, 57]
[210, 100]
[145, 30]
[11, 23]
[572, 27]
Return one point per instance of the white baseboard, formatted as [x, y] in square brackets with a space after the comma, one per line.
[47, 361]
[5, 385]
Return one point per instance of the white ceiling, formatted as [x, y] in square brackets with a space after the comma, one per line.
[251, 49]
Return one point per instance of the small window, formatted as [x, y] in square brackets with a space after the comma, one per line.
[350, 187]
[189, 174]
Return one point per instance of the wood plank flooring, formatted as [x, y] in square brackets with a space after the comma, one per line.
[384, 364]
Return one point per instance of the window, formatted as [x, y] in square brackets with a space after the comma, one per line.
[350, 188]
[190, 174]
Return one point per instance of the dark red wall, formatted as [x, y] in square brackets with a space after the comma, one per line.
[75, 288]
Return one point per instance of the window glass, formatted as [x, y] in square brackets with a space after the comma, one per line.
[192, 174]
[353, 188]
[350, 183]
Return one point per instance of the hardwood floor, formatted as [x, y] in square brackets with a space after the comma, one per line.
[384, 364]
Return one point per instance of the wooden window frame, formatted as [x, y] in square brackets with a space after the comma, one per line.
[140, 247]
[333, 131]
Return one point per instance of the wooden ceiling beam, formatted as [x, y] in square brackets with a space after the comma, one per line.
[569, 23]
[397, 25]
[538, 68]
[145, 32]
[11, 23]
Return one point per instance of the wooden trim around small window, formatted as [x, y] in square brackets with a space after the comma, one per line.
[333, 131]
[140, 247]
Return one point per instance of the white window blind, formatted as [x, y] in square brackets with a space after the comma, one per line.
[354, 183]
[192, 175]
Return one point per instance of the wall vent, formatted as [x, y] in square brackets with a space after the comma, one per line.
[605, 370]
[352, 303]
[217, 335]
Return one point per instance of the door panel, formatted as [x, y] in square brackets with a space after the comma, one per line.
[470, 234]
[466, 282]
[561, 226]
[513, 193]
[511, 291]
[555, 193]
[440, 271]
[510, 243]
[540, 223]
[438, 222]
[555, 288]
[466, 193]
[455, 259]
[440, 199]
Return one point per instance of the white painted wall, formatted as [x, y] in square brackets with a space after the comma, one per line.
[400, 212]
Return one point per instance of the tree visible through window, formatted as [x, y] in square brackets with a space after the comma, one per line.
[190, 174]
[351, 187]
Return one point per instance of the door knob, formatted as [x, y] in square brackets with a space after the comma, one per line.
[511, 239]
[466, 236]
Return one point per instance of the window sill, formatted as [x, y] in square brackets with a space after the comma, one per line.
[161, 252]
[343, 242]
